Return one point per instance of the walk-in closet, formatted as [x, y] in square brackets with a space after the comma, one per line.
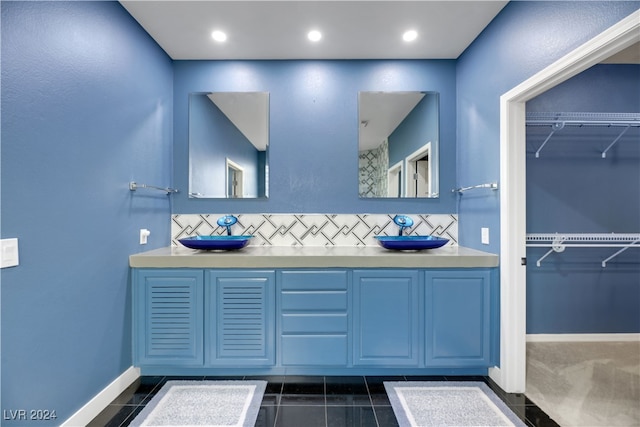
[583, 248]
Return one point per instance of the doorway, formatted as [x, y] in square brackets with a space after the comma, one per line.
[511, 375]
[418, 183]
[235, 180]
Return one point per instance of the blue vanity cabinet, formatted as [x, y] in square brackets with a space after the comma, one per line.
[319, 321]
[313, 318]
[458, 318]
[239, 318]
[168, 317]
[386, 317]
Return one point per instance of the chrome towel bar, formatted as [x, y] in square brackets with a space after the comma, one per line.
[491, 185]
[133, 186]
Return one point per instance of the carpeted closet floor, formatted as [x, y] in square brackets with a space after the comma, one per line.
[586, 384]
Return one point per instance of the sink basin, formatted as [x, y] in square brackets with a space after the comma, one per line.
[212, 243]
[411, 243]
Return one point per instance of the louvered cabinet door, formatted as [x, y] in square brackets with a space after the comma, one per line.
[168, 317]
[239, 318]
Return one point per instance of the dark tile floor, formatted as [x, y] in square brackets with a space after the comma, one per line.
[310, 401]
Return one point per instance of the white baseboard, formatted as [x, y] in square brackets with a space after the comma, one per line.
[101, 400]
[582, 337]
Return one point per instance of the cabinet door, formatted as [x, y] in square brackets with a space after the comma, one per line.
[385, 315]
[458, 318]
[239, 318]
[168, 317]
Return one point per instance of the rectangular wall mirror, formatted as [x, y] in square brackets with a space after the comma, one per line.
[228, 145]
[398, 144]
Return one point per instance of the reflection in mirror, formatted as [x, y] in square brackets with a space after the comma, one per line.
[228, 144]
[398, 144]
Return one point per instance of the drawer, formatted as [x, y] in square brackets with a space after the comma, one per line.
[301, 323]
[323, 350]
[314, 280]
[314, 301]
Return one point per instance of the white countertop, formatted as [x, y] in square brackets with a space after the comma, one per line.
[314, 257]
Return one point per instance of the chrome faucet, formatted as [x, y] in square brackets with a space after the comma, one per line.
[403, 222]
[227, 221]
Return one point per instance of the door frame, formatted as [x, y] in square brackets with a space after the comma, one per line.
[511, 374]
[410, 183]
[394, 179]
[238, 176]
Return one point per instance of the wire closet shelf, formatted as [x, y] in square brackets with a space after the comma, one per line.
[558, 121]
[558, 242]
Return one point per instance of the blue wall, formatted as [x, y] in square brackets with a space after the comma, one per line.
[523, 39]
[86, 108]
[313, 144]
[571, 189]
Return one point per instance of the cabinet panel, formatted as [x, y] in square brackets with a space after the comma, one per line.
[458, 321]
[168, 319]
[386, 307]
[239, 317]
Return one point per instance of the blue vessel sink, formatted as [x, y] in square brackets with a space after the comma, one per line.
[411, 243]
[213, 243]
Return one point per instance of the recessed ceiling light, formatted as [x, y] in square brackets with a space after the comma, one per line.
[410, 35]
[314, 35]
[219, 36]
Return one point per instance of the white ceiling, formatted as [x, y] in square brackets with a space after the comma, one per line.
[277, 29]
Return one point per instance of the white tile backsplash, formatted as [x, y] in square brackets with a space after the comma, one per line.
[314, 229]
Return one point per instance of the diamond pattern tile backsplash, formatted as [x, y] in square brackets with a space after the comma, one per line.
[314, 229]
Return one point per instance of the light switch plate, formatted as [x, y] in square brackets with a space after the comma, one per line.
[484, 236]
[9, 253]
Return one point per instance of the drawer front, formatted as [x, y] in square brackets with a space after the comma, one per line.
[301, 323]
[314, 301]
[314, 280]
[321, 350]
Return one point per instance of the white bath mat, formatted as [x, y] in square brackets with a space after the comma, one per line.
[204, 403]
[421, 404]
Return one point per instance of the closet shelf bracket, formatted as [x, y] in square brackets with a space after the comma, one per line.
[604, 153]
[559, 242]
[634, 243]
[555, 127]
